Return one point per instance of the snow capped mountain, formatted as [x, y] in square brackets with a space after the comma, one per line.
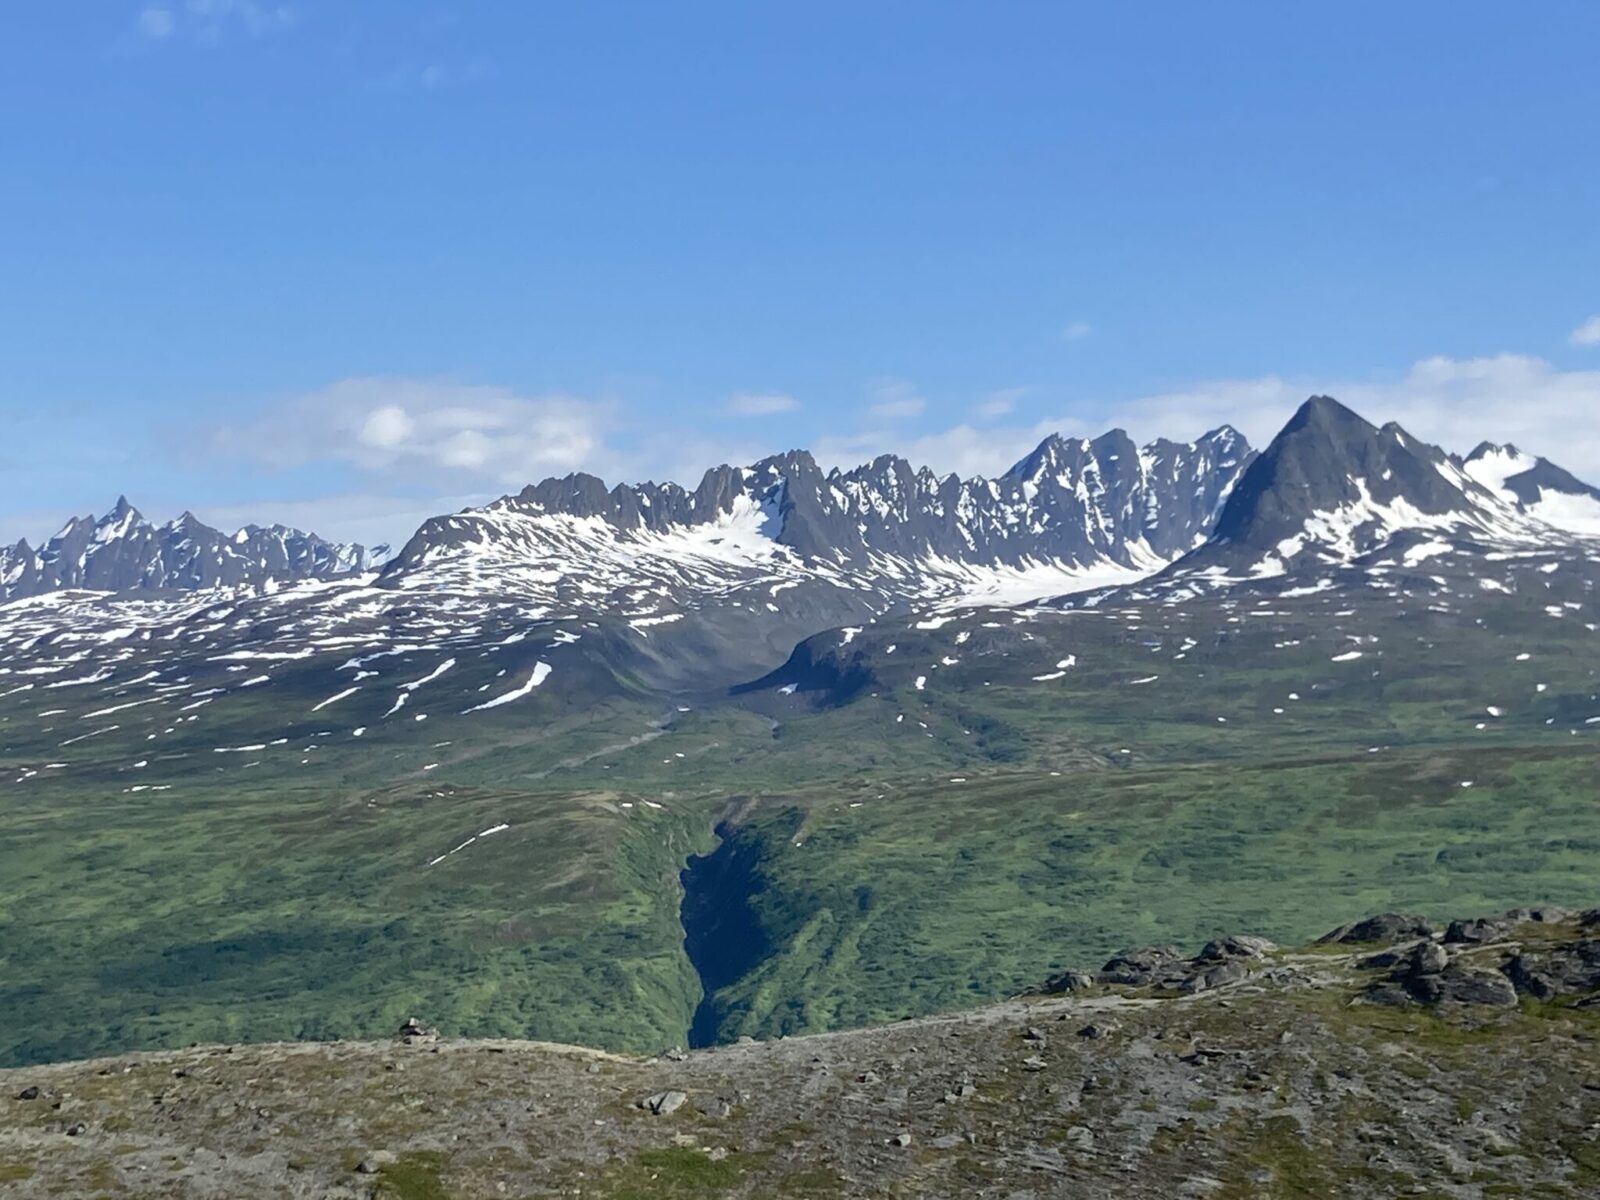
[1072, 510]
[1332, 488]
[1537, 487]
[570, 594]
[123, 552]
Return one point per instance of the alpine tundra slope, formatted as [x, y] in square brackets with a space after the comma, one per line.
[800, 750]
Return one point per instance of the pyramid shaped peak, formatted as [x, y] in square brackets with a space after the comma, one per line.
[1325, 412]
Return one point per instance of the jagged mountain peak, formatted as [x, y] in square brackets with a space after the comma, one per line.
[886, 529]
[122, 551]
[1332, 487]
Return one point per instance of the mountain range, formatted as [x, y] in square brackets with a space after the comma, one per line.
[123, 552]
[795, 750]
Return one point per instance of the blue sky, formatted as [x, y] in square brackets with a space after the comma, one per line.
[350, 263]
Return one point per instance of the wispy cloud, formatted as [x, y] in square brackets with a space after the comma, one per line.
[1075, 331]
[411, 428]
[211, 20]
[1452, 402]
[762, 404]
[999, 403]
[895, 400]
[1587, 334]
[156, 22]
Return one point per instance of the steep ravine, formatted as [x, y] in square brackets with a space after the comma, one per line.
[723, 937]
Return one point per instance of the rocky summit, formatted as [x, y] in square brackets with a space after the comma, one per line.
[1387, 1059]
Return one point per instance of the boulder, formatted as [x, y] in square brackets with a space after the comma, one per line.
[1458, 984]
[1212, 977]
[28, 1093]
[664, 1104]
[1566, 970]
[1476, 931]
[1383, 928]
[1426, 958]
[1239, 946]
[1141, 966]
[1068, 981]
[1550, 914]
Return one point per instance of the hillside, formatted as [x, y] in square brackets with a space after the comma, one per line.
[1372, 1064]
[533, 810]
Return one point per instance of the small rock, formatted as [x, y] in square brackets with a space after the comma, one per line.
[1068, 981]
[1094, 1032]
[717, 1153]
[868, 1077]
[676, 1054]
[376, 1161]
[1080, 1137]
[947, 1141]
[1033, 1035]
[1035, 1063]
[901, 1139]
[77, 1130]
[413, 1030]
[715, 1107]
[28, 1093]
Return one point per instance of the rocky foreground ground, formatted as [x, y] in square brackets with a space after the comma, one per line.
[1389, 1059]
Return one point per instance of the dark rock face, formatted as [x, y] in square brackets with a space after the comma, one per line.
[1383, 928]
[1464, 985]
[123, 552]
[1547, 974]
[1327, 457]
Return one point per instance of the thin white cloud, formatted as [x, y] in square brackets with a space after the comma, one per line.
[964, 449]
[762, 404]
[411, 428]
[895, 400]
[1587, 334]
[999, 403]
[212, 20]
[1454, 403]
[156, 22]
[363, 517]
[1075, 331]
